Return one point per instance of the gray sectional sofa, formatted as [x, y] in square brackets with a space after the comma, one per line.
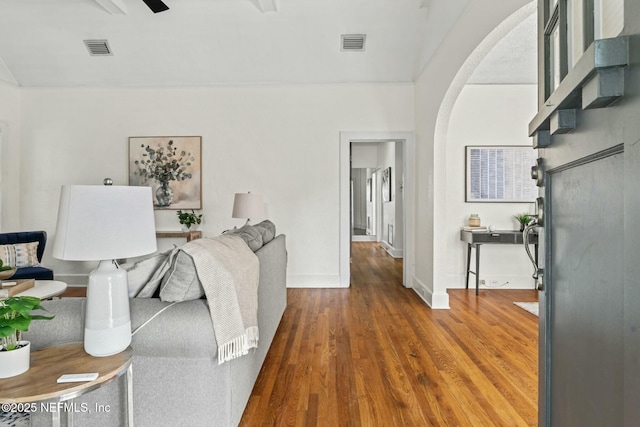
[176, 377]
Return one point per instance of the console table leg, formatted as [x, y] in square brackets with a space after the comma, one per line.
[468, 264]
[477, 268]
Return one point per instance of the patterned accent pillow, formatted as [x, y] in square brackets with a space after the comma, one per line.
[20, 254]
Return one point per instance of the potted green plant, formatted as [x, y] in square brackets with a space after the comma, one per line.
[15, 317]
[189, 220]
[524, 219]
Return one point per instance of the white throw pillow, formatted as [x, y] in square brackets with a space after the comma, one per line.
[140, 272]
[20, 254]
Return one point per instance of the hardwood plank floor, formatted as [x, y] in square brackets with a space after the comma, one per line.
[74, 292]
[376, 355]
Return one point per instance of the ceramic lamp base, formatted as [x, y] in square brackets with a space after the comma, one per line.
[107, 328]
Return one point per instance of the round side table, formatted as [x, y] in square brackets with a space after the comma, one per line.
[39, 384]
[45, 289]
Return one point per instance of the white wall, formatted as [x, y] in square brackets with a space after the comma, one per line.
[280, 141]
[364, 155]
[436, 90]
[386, 159]
[359, 197]
[390, 155]
[10, 184]
[486, 115]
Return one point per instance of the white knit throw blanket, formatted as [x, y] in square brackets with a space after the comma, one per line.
[229, 272]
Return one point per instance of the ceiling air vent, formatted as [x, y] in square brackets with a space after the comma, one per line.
[353, 42]
[98, 47]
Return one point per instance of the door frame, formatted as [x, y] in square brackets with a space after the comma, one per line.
[408, 141]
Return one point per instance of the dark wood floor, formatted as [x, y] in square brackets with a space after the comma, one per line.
[375, 355]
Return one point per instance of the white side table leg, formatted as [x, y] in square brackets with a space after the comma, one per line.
[70, 414]
[55, 418]
[129, 394]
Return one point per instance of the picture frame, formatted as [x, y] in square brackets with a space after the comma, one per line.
[500, 174]
[172, 166]
[386, 184]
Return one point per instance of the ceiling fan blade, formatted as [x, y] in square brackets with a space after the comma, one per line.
[156, 5]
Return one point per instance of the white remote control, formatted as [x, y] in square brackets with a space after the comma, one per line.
[77, 378]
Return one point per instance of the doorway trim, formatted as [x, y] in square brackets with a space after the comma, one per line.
[408, 141]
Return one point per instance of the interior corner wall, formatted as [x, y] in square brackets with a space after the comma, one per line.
[390, 155]
[486, 115]
[387, 159]
[398, 186]
[10, 157]
[478, 21]
[281, 141]
[359, 198]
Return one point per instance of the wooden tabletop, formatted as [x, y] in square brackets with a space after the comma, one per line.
[44, 289]
[189, 235]
[47, 365]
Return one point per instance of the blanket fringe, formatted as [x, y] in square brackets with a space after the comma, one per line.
[238, 346]
[252, 336]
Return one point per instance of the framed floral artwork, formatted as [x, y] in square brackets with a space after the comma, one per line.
[172, 166]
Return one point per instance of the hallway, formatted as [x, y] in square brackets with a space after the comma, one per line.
[375, 355]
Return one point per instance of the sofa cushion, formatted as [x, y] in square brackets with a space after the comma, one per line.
[20, 254]
[37, 273]
[250, 235]
[267, 230]
[140, 272]
[151, 289]
[180, 282]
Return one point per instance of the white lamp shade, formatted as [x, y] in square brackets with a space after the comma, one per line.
[248, 205]
[104, 222]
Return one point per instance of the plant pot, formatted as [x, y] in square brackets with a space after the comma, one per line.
[6, 274]
[15, 362]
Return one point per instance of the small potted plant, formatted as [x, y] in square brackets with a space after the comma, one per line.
[15, 317]
[524, 219]
[189, 220]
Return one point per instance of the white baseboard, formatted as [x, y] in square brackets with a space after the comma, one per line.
[436, 301]
[503, 282]
[361, 238]
[393, 251]
[73, 280]
[311, 281]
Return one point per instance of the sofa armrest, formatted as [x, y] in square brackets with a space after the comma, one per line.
[183, 330]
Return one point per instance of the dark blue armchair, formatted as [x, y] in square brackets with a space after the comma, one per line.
[38, 273]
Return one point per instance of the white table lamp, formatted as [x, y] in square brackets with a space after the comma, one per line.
[104, 223]
[248, 205]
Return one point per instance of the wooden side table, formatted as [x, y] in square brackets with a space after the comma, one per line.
[39, 384]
